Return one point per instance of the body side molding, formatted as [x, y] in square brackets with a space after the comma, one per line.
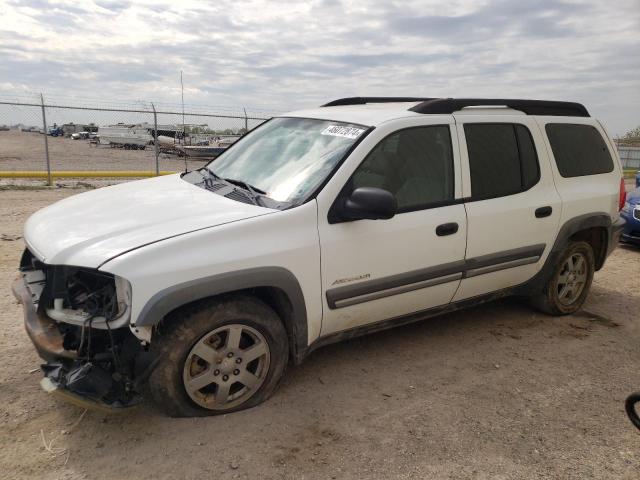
[427, 277]
[572, 226]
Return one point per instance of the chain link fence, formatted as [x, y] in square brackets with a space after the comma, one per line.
[55, 137]
[629, 155]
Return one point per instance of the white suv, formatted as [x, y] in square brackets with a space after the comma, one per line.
[316, 226]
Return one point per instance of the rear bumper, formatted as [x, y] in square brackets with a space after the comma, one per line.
[42, 331]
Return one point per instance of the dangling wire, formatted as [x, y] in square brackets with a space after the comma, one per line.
[107, 319]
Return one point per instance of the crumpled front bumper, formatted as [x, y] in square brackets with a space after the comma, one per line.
[55, 389]
[63, 369]
[83, 375]
[42, 331]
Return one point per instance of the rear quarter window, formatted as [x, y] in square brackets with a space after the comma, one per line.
[579, 150]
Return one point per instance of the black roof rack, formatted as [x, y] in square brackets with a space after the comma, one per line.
[450, 105]
[530, 107]
[365, 100]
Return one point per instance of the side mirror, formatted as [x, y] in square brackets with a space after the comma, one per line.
[369, 203]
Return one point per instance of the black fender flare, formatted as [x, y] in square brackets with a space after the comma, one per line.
[175, 296]
[569, 228]
[583, 222]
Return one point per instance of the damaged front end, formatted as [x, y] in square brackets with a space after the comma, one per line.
[78, 320]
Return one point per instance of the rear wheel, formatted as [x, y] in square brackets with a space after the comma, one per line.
[219, 357]
[569, 285]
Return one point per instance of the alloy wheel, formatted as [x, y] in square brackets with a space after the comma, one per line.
[226, 366]
[572, 279]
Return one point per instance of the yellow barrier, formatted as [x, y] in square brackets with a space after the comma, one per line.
[81, 174]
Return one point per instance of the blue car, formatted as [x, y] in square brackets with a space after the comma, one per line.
[631, 213]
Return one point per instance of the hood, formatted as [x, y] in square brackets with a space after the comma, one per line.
[90, 228]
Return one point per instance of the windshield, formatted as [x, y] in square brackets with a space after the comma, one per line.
[287, 158]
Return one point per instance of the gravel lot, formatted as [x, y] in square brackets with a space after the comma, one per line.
[25, 151]
[498, 391]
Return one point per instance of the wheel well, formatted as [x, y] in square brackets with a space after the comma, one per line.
[280, 302]
[597, 238]
[275, 297]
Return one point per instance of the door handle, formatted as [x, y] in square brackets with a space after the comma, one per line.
[446, 229]
[543, 212]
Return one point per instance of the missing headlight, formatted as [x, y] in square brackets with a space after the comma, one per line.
[78, 295]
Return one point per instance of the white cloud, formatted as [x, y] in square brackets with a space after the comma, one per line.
[286, 55]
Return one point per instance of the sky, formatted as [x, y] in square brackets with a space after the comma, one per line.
[281, 56]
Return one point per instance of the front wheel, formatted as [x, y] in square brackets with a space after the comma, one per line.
[218, 357]
[568, 287]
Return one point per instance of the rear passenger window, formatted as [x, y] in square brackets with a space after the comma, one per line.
[415, 164]
[502, 159]
[579, 150]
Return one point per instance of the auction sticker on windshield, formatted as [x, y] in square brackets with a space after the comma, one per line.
[340, 131]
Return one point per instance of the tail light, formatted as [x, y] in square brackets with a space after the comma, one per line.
[623, 195]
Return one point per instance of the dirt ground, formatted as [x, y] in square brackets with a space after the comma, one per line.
[25, 151]
[499, 391]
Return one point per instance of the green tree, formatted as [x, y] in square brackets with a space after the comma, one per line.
[632, 134]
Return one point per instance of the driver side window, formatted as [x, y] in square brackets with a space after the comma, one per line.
[414, 164]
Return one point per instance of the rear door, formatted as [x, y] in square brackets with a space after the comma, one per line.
[512, 206]
[375, 270]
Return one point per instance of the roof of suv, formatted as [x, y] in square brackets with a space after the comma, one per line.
[369, 114]
[376, 110]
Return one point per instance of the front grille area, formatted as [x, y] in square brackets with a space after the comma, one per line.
[636, 213]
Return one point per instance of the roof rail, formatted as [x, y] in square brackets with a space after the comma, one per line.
[365, 100]
[530, 107]
[450, 105]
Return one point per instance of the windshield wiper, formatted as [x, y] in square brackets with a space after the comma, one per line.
[208, 181]
[245, 185]
[214, 175]
[255, 192]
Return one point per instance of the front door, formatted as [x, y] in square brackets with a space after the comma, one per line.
[374, 270]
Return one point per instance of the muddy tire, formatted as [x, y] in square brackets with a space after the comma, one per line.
[218, 356]
[569, 285]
